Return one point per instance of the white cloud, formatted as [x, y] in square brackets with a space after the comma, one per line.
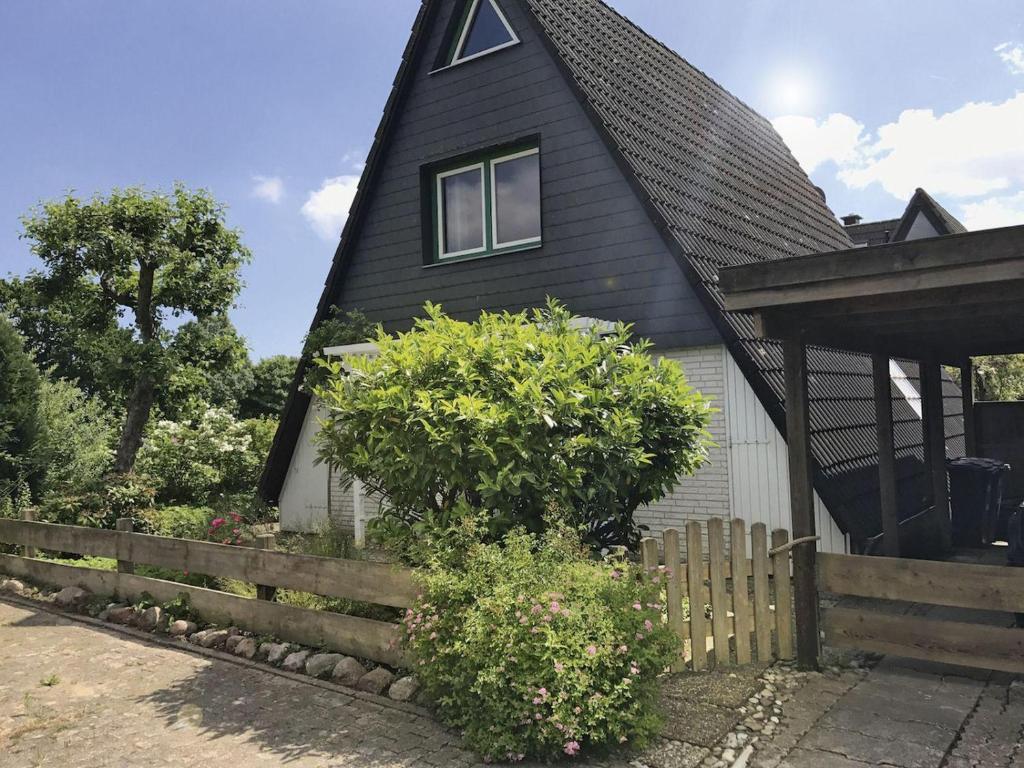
[835, 139]
[327, 208]
[1004, 211]
[971, 151]
[1012, 55]
[974, 150]
[269, 188]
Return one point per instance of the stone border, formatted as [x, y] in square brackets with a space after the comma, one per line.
[182, 644]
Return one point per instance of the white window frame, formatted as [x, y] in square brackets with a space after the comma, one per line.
[470, 17]
[495, 244]
[439, 178]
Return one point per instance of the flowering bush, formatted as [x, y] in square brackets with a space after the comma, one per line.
[534, 650]
[191, 462]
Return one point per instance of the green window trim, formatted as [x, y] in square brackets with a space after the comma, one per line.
[485, 165]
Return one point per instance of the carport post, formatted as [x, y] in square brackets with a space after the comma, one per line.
[967, 397]
[886, 455]
[935, 449]
[801, 494]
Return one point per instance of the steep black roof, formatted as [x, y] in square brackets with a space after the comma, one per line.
[723, 189]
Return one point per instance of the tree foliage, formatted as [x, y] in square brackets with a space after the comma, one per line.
[999, 377]
[271, 380]
[512, 414]
[19, 404]
[340, 327]
[130, 261]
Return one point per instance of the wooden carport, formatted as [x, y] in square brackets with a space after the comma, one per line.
[938, 301]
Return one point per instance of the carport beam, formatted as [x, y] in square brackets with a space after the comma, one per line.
[801, 495]
[967, 395]
[886, 455]
[934, 421]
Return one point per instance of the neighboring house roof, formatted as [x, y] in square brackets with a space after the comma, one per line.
[723, 189]
[872, 232]
[942, 220]
[896, 230]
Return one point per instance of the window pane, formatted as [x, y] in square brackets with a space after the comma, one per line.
[486, 31]
[517, 198]
[461, 206]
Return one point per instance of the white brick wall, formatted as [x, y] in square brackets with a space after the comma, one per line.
[706, 493]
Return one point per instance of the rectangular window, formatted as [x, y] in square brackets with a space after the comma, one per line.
[488, 206]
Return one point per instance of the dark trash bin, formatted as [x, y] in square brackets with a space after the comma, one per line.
[1015, 538]
[975, 496]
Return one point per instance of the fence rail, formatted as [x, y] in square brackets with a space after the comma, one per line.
[958, 585]
[739, 608]
[332, 577]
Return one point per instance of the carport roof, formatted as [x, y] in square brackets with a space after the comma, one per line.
[948, 297]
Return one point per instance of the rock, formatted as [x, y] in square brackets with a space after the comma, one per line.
[322, 664]
[295, 662]
[375, 681]
[149, 619]
[210, 638]
[71, 597]
[181, 627]
[246, 648]
[121, 614]
[404, 688]
[274, 653]
[348, 671]
[232, 642]
[728, 755]
[12, 587]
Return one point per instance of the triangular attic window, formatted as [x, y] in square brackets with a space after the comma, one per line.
[484, 29]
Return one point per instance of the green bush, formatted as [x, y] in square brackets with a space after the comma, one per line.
[76, 438]
[193, 462]
[179, 521]
[508, 415]
[19, 403]
[533, 649]
[100, 505]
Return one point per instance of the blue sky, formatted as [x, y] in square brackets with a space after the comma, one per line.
[272, 106]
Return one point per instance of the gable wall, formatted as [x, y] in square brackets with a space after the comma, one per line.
[601, 254]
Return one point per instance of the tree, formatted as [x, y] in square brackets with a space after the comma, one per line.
[132, 259]
[339, 327]
[19, 404]
[271, 380]
[999, 377]
[208, 364]
[512, 416]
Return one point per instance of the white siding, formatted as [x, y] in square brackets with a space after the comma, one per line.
[920, 228]
[303, 502]
[759, 466]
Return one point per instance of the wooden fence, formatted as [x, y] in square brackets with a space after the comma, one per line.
[740, 608]
[332, 577]
[957, 585]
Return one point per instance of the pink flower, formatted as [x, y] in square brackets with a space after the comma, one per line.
[623, 649]
[639, 636]
[647, 625]
[559, 666]
[571, 747]
[637, 607]
[591, 650]
[536, 609]
[554, 606]
[542, 691]
[216, 523]
[616, 574]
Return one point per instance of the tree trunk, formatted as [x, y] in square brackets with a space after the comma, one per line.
[141, 401]
[138, 414]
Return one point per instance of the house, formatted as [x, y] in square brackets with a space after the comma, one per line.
[551, 147]
[923, 217]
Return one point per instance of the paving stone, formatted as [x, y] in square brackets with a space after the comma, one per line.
[868, 749]
[811, 758]
[887, 724]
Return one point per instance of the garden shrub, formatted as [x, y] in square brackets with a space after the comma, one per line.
[179, 521]
[533, 649]
[509, 415]
[101, 504]
[192, 462]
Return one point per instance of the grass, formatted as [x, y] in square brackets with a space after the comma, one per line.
[49, 681]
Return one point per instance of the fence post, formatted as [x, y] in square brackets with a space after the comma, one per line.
[740, 596]
[28, 514]
[762, 613]
[783, 594]
[695, 591]
[124, 545]
[719, 597]
[264, 591]
[674, 591]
